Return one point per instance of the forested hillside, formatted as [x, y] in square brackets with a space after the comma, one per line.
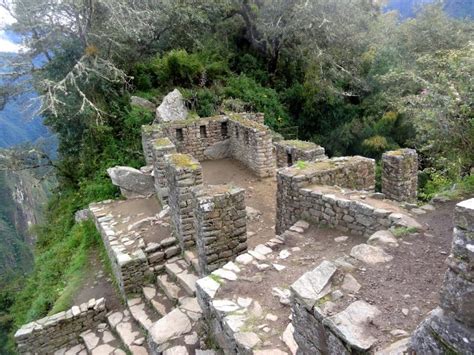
[343, 74]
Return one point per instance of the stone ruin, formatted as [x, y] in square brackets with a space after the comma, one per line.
[289, 152]
[449, 329]
[184, 258]
[399, 175]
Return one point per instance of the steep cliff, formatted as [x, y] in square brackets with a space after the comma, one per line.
[23, 193]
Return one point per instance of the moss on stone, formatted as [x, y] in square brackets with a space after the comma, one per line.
[303, 145]
[184, 161]
[247, 123]
[162, 142]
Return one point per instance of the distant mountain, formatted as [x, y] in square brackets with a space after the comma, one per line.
[455, 8]
[18, 124]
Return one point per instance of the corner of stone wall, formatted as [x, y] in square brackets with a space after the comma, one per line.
[161, 147]
[149, 134]
[450, 327]
[221, 225]
[183, 173]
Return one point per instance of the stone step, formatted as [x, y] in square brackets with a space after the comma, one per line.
[171, 289]
[143, 314]
[102, 341]
[157, 300]
[191, 257]
[182, 273]
[128, 331]
[79, 349]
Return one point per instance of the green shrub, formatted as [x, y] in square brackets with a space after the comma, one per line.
[260, 98]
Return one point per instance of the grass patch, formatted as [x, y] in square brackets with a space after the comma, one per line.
[303, 145]
[300, 164]
[216, 278]
[400, 232]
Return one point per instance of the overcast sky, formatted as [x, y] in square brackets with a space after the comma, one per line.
[6, 45]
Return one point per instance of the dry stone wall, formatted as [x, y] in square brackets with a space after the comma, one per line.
[46, 335]
[400, 175]
[183, 173]
[149, 135]
[161, 147]
[251, 143]
[288, 152]
[356, 173]
[195, 136]
[343, 214]
[221, 225]
[129, 268]
[449, 329]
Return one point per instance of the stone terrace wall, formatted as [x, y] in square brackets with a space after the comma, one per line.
[400, 175]
[161, 147]
[351, 172]
[183, 173]
[221, 225]
[149, 136]
[251, 143]
[129, 269]
[449, 329]
[46, 335]
[288, 152]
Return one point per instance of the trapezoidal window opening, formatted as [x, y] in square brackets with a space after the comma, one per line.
[203, 131]
[237, 132]
[246, 137]
[224, 130]
[289, 159]
[179, 134]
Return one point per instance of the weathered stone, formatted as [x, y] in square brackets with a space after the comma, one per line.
[142, 103]
[289, 339]
[172, 108]
[353, 324]
[219, 150]
[314, 284]
[247, 340]
[383, 238]
[132, 182]
[172, 325]
[350, 284]
[370, 254]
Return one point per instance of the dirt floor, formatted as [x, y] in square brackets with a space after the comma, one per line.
[259, 194]
[409, 284]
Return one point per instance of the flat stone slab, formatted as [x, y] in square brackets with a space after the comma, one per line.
[370, 254]
[312, 285]
[352, 324]
[173, 325]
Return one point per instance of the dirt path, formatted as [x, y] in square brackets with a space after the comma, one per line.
[96, 284]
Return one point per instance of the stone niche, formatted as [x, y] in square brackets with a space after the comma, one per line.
[161, 147]
[357, 173]
[183, 173]
[49, 334]
[400, 175]
[221, 225]
[449, 329]
[288, 152]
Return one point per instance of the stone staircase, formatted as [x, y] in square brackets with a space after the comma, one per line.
[162, 319]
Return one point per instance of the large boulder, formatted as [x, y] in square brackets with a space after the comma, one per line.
[132, 182]
[219, 150]
[172, 108]
[142, 103]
